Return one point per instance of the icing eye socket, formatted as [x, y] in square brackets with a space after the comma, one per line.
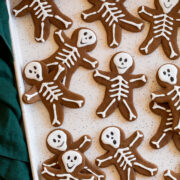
[125, 60]
[112, 133]
[75, 157]
[168, 70]
[120, 59]
[107, 136]
[54, 140]
[59, 136]
[30, 71]
[68, 157]
[172, 79]
[90, 37]
[114, 142]
[35, 67]
[164, 72]
[85, 33]
[37, 76]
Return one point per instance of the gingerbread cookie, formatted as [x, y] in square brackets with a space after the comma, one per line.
[170, 175]
[123, 155]
[72, 52]
[114, 16]
[58, 141]
[44, 13]
[119, 85]
[48, 88]
[164, 21]
[168, 77]
[71, 163]
[165, 131]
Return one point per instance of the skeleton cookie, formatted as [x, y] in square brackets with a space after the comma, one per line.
[48, 88]
[113, 16]
[170, 175]
[123, 155]
[59, 141]
[71, 162]
[44, 13]
[165, 131]
[119, 85]
[168, 77]
[73, 52]
[164, 24]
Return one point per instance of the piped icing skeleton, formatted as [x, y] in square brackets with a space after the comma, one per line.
[164, 24]
[168, 78]
[170, 175]
[123, 155]
[43, 13]
[60, 141]
[113, 16]
[165, 131]
[72, 162]
[73, 52]
[48, 88]
[119, 85]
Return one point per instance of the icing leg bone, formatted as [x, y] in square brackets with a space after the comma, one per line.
[30, 96]
[142, 10]
[173, 53]
[60, 70]
[41, 38]
[85, 16]
[146, 48]
[178, 126]
[157, 143]
[93, 173]
[67, 176]
[86, 139]
[132, 116]
[139, 26]
[55, 120]
[143, 78]
[168, 174]
[114, 42]
[45, 171]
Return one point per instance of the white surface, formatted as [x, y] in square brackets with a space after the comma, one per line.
[84, 120]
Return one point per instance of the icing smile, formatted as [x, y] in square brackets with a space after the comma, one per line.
[61, 145]
[167, 6]
[122, 67]
[82, 42]
[70, 167]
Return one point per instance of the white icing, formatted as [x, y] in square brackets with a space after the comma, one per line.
[145, 12]
[20, 10]
[57, 140]
[138, 136]
[67, 176]
[168, 5]
[100, 161]
[129, 173]
[41, 38]
[45, 171]
[93, 64]
[33, 71]
[60, 70]
[71, 160]
[157, 143]
[168, 174]
[123, 62]
[93, 173]
[55, 120]
[78, 102]
[66, 23]
[86, 37]
[131, 115]
[111, 136]
[59, 33]
[114, 42]
[30, 96]
[168, 73]
[50, 91]
[139, 26]
[86, 139]
[68, 56]
[98, 74]
[142, 78]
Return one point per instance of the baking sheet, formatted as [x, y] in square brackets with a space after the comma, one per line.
[84, 121]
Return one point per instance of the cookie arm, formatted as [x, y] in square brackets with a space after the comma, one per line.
[31, 96]
[82, 144]
[52, 162]
[91, 14]
[101, 77]
[21, 9]
[138, 80]
[61, 38]
[146, 13]
[159, 96]
[170, 175]
[89, 62]
[104, 160]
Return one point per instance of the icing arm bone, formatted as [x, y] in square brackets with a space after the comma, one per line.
[89, 62]
[146, 13]
[101, 76]
[21, 9]
[104, 160]
[137, 140]
[138, 80]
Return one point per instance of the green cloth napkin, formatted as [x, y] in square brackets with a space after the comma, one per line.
[14, 162]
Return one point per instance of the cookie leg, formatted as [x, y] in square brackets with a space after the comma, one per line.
[107, 107]
[170, 48]
[170, 175]
[176, 139]
[127, 110]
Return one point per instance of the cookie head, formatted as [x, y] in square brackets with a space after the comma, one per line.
[57, 140]
[111, 137]
[168, 5]
[123, 62]
[33, 71]
[71, 160]
[167, 74]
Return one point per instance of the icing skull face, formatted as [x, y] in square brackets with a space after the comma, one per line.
[33, 70]
[71, 160]
[111, 136]
[86, 37]
[168, 5]
[123, 62]
[168, 73]
[57, 140]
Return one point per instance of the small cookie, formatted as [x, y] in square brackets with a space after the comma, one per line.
[122, 153]
[72, 52]
[119, 84]
[58, 141]
[164, 21]
[48, 88]
[44, 13]
[170, 175]
[165, 131]
[71, 163]
[168, 77]
[114, 16]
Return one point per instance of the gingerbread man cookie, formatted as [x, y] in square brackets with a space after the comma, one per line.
[114, 16]
[165, 131]
[164, 21]
[71, 163]
[170, 175]
[48, 88]
[168, 77]
[72, 52]
[58, 141]
[123, 155]
[119, 85]
[44, 13]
